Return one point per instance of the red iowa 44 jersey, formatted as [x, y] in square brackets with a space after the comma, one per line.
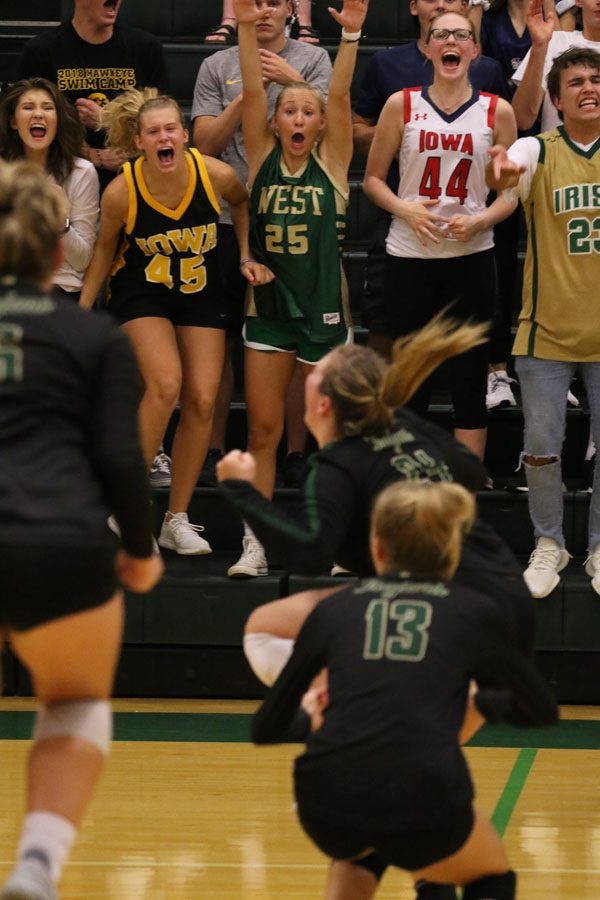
[443, 158]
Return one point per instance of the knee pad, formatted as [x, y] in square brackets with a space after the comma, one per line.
[267, 655]
[374, 863]
[492, 887]
[90, 720]
[428, 890]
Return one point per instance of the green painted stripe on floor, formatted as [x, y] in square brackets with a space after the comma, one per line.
[512, 789]
[235, 728]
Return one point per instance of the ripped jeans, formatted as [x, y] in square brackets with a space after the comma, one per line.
[544, 385]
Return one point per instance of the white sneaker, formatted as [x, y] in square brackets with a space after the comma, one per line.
[499, 393]
[546, 561]
[160, 473]
[592, 567]
[252, 562]
[29, 881]
[336, 570]
[572, 400]
[180, 535]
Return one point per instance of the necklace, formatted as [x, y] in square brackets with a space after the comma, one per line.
[455, 104]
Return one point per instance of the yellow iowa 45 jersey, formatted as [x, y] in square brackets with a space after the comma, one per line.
[560, 316]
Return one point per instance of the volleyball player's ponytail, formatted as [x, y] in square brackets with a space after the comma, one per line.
[417, 355]
[121, 117]
[32, 217]
[365, 392]
[421, 525]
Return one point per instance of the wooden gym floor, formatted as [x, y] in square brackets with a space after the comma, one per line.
[189, 809]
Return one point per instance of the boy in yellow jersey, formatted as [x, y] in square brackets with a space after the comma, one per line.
[557, 176]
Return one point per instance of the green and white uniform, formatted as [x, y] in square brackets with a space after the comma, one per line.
[560, 316]
[297, 228]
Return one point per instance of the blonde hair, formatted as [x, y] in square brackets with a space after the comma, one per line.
[122, 117]
[365, 392]
[301, 86]
[421, 525]
[32, 216]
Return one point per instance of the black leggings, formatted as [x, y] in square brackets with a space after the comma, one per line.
[417, 289]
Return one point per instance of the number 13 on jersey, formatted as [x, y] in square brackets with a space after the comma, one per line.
[397, 630]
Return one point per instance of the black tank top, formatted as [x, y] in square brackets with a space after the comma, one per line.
[168, 252]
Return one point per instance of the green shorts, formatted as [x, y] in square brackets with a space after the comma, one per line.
[291, 337]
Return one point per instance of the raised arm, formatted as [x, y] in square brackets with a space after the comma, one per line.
[530, 91]
[113, 215]
[336, 145]
[258, 137]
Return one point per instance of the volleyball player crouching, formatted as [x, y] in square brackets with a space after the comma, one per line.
[383, 780]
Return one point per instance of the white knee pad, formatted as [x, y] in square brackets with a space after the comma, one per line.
[267, 654]
[90, 720]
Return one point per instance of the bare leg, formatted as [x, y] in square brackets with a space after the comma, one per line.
[381, 343]
[349, 882]
[294, 413]
[482, 854]
[157, 354]
[202, 352]
[284, 618]
[473, 438]
[73, 658]
[223, 401]
[268, 376]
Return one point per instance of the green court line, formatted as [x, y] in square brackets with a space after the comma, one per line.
[512, 789]
[572, 734]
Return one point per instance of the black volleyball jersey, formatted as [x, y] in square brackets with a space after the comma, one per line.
[342, 481]
[69, 445]
[168, 252]
[400, 654]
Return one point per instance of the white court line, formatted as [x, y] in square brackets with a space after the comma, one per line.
[124, 864]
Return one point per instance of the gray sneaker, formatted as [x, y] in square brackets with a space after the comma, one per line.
[160, 473]
[29, 881]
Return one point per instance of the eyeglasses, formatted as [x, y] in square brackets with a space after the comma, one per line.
[442, 34]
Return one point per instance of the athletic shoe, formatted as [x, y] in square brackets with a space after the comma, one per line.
[293, 469]
[160, 473]
[546, 561]
[252, 562]
[339, 570]
[572, 400]
[499, 393]
[29, 881]
[180, 535]
[208, 475]
[592, 567]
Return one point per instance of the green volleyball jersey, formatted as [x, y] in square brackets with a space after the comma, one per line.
[560, 316]
[296, 228]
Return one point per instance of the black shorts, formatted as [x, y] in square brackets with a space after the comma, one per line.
[409, 850]
[40, 584]
[234, 285]
[374, 313]
[417, 289]
[194, 310]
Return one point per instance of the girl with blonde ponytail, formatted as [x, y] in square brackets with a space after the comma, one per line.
[158, 246]
[367, 440]
[383, 780]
